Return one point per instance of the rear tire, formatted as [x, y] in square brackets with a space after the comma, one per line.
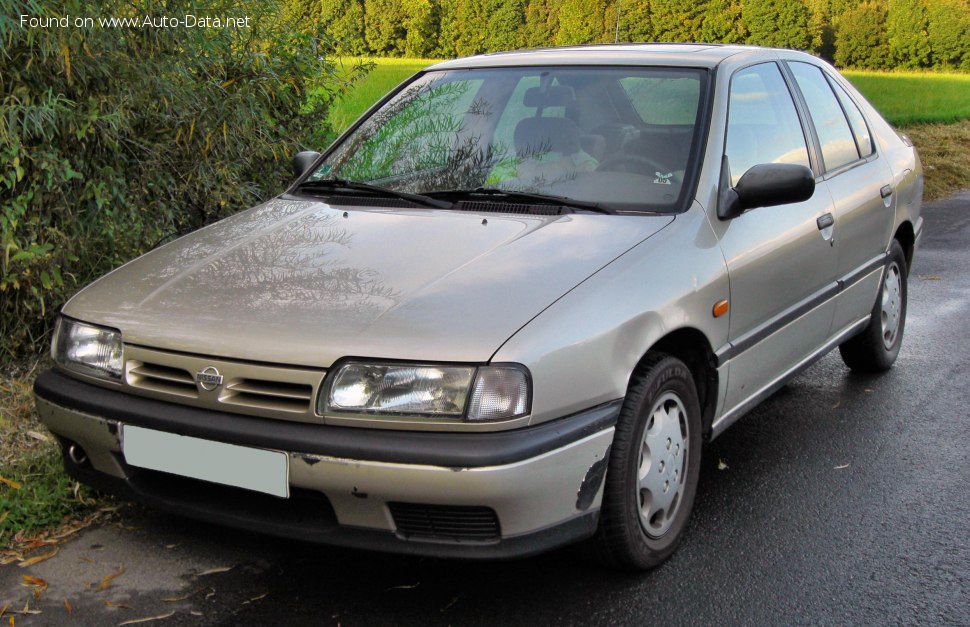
[654, 465]
[876, 348]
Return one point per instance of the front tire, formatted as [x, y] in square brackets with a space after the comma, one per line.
[654, 466]
[876, 348]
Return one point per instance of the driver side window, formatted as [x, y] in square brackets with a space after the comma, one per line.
[763, 126]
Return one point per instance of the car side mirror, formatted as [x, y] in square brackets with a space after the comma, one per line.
[765, 185]
[303, 161]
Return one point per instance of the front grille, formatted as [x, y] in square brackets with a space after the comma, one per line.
[255, 389]
[445, 522]
[163, 379]
[273, 395]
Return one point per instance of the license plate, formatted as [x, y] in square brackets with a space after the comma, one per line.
[240, 466]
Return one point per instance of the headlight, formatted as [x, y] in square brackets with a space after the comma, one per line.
[479, 394]
[87, 349]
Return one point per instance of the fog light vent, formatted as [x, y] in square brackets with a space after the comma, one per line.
[445, 522]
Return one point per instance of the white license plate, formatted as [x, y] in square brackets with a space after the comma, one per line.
[218, 462]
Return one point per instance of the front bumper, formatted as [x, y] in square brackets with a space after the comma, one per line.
[352, 486]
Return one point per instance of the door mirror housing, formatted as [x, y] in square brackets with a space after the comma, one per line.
[303, 161]
[765, 185]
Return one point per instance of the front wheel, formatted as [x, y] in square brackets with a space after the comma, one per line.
[876, 348]
[654, 466]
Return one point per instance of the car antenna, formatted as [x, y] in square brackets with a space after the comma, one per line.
[616, 37]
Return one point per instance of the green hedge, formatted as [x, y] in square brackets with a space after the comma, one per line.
[113, 140]
[919, 33]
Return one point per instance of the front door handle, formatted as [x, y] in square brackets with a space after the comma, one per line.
[825, 221]
[886, 191]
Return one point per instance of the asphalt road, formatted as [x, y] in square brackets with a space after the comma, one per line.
[845, 499]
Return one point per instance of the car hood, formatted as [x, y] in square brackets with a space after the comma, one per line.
[304, 283]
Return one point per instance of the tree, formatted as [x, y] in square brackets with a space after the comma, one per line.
[421, 24]
[777, 23]
[820, 30]
[721, 22]
[634, 21]
[949, 32]
[581, 22]
[472, 21]
[506, 21]
[906, 26]
[676, 20]
[541, 23]
[860, 41]
[384, 27]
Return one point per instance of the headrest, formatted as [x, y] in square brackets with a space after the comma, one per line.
[534, 136]
[553, 96]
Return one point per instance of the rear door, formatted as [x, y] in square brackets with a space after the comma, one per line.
[861, 187]
[781, 264]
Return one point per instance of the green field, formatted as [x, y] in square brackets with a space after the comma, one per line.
[907, 98]
[385, 76]
[904, 98]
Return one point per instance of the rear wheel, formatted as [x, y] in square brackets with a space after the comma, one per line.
[653, 469]
[876, 348]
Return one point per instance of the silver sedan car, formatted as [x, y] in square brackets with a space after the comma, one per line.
[506, 309]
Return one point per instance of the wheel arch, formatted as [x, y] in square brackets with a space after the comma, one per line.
[692, 347]
[906, 237]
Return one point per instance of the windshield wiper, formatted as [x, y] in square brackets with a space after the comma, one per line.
[511, 194]
[377, 190]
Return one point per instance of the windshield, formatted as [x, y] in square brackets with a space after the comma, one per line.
[619, 136]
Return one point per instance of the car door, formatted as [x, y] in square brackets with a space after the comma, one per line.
[780, 260]
[861, 187]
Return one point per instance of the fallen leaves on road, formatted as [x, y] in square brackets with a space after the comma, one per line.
[106, 581]
[842, 467]
[120, 606]
[404, 587]
[147, 619]
[23, 542]
[722, 465]
[184, 597]
[3, 610]
[38, 559]
[68, 607]
[214, 571]
[256, 598]
[38, 585]
[10, 482]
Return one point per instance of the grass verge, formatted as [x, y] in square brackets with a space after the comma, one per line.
[945, 152]
[39, 504]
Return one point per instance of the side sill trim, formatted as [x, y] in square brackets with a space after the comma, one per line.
[745, 406]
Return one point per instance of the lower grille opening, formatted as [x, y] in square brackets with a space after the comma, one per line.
[445, 522]
[305, 514]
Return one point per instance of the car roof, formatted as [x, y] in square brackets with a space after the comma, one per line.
[662, 54]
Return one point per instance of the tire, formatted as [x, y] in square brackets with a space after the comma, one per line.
[877, 346]
[658, 437]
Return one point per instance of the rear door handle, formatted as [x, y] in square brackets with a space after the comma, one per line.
[825, 221]
[886, 191]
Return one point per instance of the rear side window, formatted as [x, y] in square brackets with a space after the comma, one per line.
[838, 143]
[763, 125]
[858, 123]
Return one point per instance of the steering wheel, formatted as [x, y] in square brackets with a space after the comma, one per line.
[623, 161]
